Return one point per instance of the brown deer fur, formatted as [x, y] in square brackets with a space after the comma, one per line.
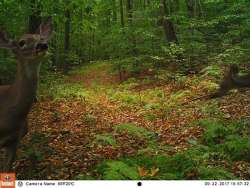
[16, 99]
[231, 80]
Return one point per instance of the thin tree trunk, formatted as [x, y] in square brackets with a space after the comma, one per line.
[35, 17]
[130, 11]
[194, 8]
[114, 11]
[122, 14]
[167, 24]
[67, 38]
[132, 38]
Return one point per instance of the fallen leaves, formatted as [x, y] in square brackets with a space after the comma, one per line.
[152, 172]
[69, 128]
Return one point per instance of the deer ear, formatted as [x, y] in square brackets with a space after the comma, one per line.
[5, 42]
[46, 29]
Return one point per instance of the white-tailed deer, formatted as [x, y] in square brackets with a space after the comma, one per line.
[232, 80]
[16, 99]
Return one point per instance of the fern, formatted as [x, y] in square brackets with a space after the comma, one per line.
[135, 130]
[118, 170]
[238, 148]
[212, 70]
[215, 132]
[208, 173]
[106, 139]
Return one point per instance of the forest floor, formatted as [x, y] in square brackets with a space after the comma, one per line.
[87, 119]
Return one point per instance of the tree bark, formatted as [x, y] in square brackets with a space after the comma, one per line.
[67, 37]
[114, 11]
[130, 11]
[167, 24]
[194, 8]
[122, 14]
[35, 17]
[132, 37]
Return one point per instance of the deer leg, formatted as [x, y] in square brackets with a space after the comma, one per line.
[11, 155]
[24, 129]
[12, 147]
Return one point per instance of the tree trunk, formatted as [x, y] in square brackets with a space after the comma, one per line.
[114, 11]
[66, 38]
[35, 17]
[130, 11]
[194, 8]
[167, 24]
[122, 14]
[132, 37]
[175, 6]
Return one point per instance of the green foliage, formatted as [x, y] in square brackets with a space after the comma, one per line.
[215, 173]
[181, 164]
[34, 155]
[174, 52]
[212, 110]
[127, 98]
[68, 91]
[118, 170]
[212, 71]
[150, 116]
[215, 132]
[232, 139]
[190, 164]
[238, 148]
[134, 65]
[240, 127]
[89, 119]
[179, 95]
[214, 31]
[84, 177]
[56, 86]
[106, 139]
[135, 130]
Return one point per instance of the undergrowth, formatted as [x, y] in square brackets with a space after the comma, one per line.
[211, 158]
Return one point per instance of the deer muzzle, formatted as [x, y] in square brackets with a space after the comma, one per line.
[42, 47]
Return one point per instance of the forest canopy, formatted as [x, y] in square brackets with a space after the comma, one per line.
[187, 31]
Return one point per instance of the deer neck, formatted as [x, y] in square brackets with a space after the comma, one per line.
[23, 91]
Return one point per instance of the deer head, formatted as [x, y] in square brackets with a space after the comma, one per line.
[16, 99]
[29, 47]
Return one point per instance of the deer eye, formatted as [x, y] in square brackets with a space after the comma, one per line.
[21, 43]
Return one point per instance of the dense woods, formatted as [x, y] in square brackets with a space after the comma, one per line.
[136, 89]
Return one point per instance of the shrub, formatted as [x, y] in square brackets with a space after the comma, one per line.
[106, 139]
[118, 170]
[208, 173]
[212, 71]
[135, 130]
[238, 148]
[215, 132]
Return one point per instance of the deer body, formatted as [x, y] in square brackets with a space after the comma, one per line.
[16, 99]
[231, 80]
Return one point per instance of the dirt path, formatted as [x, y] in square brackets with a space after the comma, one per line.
[95, 75]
